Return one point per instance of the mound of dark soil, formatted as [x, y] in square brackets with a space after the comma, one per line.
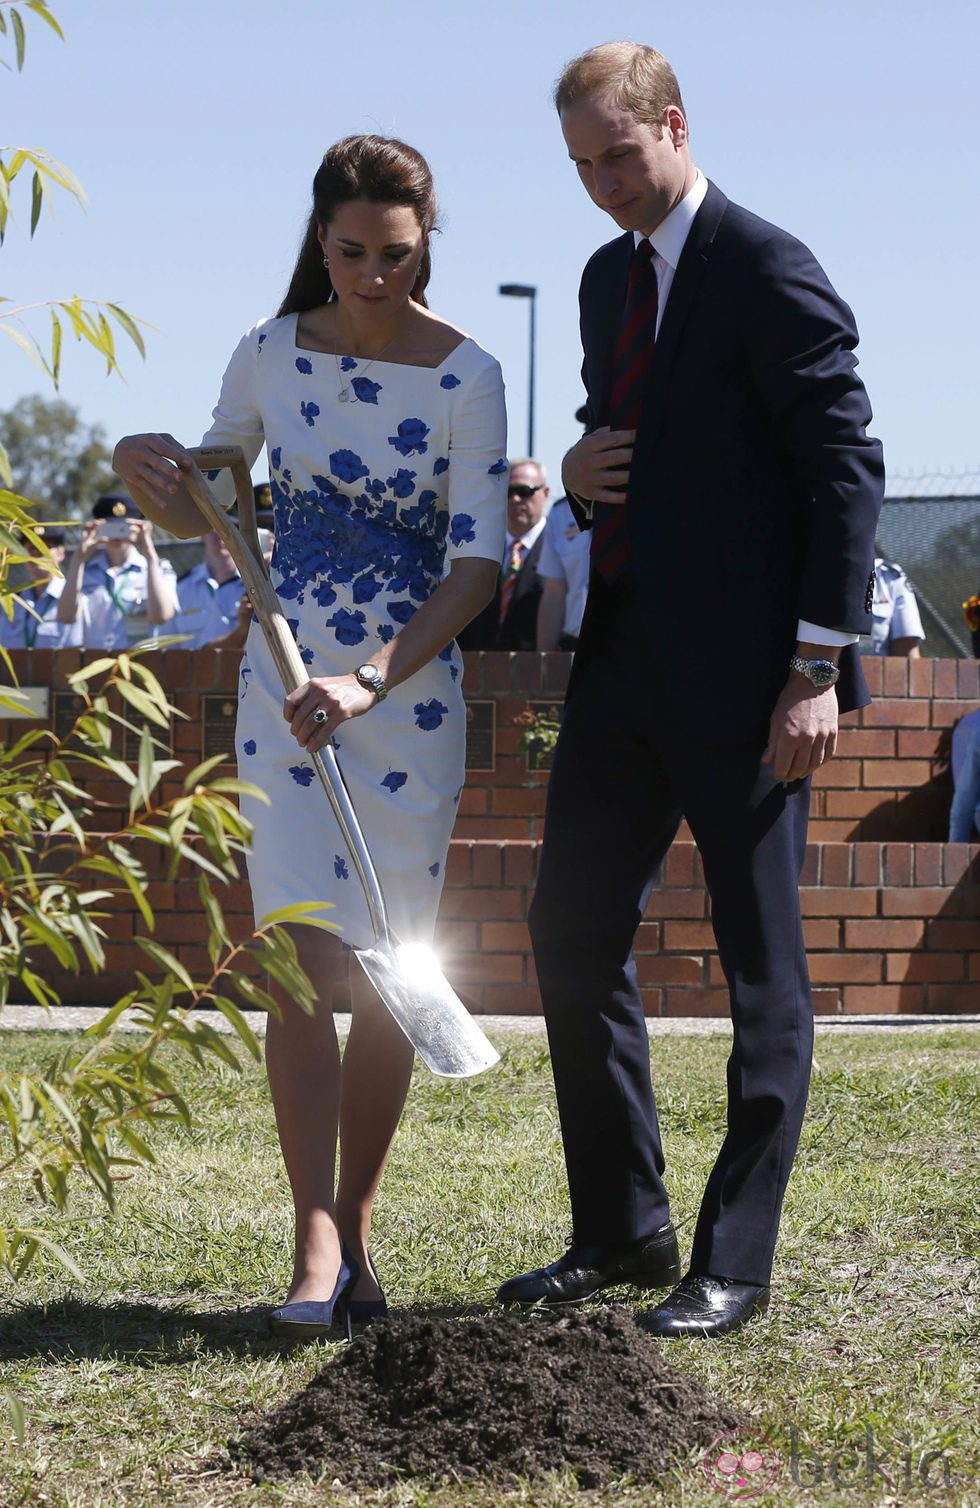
[487, 1399]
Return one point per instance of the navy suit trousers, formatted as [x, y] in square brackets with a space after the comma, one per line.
[621, 782]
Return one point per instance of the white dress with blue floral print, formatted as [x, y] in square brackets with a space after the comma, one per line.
[374, 499]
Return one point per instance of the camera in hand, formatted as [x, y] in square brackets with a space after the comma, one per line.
[114, 528]
[115, 512]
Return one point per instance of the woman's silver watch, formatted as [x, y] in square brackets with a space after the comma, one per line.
[819, 673]
[371, 679]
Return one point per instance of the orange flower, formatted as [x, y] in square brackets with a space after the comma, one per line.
[971, 612]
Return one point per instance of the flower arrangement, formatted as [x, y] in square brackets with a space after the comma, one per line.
[539, 734]
[971, 612]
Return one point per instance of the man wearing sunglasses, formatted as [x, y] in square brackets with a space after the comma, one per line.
[510, 620]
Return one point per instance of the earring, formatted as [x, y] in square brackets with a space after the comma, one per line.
[326, 261]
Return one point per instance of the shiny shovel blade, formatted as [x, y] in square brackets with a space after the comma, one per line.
[428, 1010]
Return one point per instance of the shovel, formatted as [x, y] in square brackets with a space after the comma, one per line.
[407, 976]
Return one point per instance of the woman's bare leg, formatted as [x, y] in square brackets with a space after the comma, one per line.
[376, 1073]
[303, 1063]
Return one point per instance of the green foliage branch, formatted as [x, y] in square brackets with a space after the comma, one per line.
[88, 1116]
[90, 320]
[89, 1112]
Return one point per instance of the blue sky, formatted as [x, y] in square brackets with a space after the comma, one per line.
[196, 128]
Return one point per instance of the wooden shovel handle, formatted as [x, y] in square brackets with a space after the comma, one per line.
[215, 458]
[243, 547]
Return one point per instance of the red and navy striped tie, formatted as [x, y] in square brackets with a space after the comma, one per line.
[631, 365]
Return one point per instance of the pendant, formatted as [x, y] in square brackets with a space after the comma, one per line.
[344, 395]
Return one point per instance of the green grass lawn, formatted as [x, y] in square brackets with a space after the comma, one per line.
[133, 1383]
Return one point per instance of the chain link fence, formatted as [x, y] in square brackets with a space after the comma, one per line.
[930, 526]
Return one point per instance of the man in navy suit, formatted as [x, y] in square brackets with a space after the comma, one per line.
[510, 620]
[732, 493]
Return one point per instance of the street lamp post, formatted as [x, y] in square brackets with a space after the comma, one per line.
[525, 290]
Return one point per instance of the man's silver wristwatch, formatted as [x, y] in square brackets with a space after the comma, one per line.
[820, 673]
[371, 679]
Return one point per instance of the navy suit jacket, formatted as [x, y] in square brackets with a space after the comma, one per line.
[519, 629]
[755, 489]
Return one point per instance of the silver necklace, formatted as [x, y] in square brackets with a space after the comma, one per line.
[344, 394]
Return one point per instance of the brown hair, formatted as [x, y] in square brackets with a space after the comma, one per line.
[376, 168]
[636, 78]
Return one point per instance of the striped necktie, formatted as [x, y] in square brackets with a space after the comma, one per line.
[632, 360]
[509, 579]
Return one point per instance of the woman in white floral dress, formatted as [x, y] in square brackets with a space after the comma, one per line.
[386, 433]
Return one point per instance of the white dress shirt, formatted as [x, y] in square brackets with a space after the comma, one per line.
[668, 242]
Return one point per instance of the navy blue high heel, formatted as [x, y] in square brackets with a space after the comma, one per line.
[366, 1311]
[310, 1319]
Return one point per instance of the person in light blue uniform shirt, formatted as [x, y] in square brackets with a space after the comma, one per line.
[129, 593]
[564, 570]
[897, 627]
[40, 627]
[210, 594]
[563, 567]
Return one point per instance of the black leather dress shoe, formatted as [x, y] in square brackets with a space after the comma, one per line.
[652, 1262]
[702, 1305]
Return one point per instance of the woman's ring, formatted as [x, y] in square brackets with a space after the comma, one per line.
[319, 715]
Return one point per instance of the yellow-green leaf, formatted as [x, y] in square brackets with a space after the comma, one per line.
[37, 200]
[55, 345]
[129, 325]
[232, 1014]
[39, 7]
[19, 38]
[166, 961]
[29, 346]
[139, 699]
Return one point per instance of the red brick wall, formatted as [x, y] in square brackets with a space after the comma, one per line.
[892, 919]
[889, 780]
[889, 927]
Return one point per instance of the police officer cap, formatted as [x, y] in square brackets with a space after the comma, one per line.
[264, 511]
[116, 505]
[50, 535]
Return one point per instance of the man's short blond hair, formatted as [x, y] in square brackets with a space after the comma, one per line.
[634, 77]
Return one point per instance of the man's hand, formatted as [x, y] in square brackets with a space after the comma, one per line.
[802, 729]
[597, 468]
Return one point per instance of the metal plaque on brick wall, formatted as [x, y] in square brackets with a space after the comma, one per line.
[66, 708]
[218, 713]
[535, 757]
[163, 738]
[481, 727]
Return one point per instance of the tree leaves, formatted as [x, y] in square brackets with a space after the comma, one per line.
[92, 1113]
[91, 320]
[88, 325]
[38, 8]
[47, 173]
